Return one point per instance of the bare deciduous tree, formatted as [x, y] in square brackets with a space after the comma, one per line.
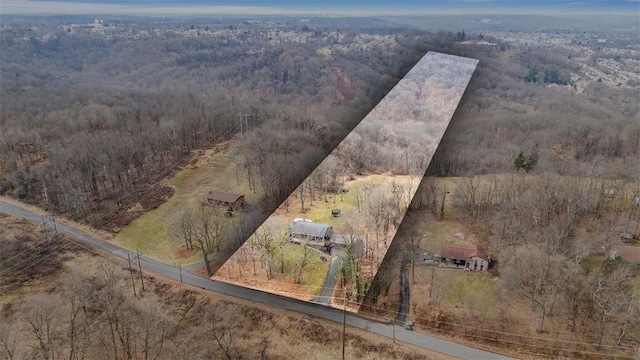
[78, 297]
[609, 292]
[43, 318]
[224, 327]
[537, 275]
[207, 227]
[302, 261]
[10, 341]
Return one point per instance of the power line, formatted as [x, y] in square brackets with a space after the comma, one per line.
[30, 257]
[384, 310]
[508, 335]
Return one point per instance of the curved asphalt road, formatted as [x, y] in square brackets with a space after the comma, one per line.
[321, 311]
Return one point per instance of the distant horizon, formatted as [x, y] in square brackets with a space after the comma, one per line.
[333, 8]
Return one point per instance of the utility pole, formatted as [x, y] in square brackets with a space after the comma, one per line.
[433, 270]
[45, 220]
[140, 268]
[243, 118]
[133, 284]
[393, 327]
[344, 323]
[237, 170]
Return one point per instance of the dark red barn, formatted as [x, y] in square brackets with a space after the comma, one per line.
[226, 200]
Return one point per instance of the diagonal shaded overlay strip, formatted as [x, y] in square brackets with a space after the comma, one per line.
[327, 240]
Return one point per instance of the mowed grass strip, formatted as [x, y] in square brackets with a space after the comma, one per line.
[151, 233]
[314, 273]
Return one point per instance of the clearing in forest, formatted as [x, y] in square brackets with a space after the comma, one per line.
[152, 233]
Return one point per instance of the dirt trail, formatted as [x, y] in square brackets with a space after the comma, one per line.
[344, 89]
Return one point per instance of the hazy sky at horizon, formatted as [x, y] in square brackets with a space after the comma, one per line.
[316, 7]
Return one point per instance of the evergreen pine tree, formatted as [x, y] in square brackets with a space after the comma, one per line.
[519, 161]
[532, 160]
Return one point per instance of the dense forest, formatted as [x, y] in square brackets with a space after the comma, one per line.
[89, 123]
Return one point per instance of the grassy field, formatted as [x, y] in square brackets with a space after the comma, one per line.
[314, 274]
[151, 233]
[346, 202]
[592, 263]
[441, 233]
[320, 211]
[472, 293]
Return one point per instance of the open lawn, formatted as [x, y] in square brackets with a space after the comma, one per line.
[439, 233]
[315, 272]
[474, 293]
[592, 263]
[319, 210]
[151, 233]
[240, 270]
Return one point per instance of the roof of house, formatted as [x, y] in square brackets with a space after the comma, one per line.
[310, 229]
[223, 196]
[464, 252]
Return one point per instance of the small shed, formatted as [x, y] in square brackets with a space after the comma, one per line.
[224, 199]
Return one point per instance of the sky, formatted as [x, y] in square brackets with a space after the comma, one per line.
[317, 7]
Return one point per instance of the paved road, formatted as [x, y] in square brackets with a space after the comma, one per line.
[317, 310]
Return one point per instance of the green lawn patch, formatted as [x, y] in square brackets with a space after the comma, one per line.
[591, 263]
[346, 202]
[321, 210]
[475, 292]
[439, 233]
[315, 272]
